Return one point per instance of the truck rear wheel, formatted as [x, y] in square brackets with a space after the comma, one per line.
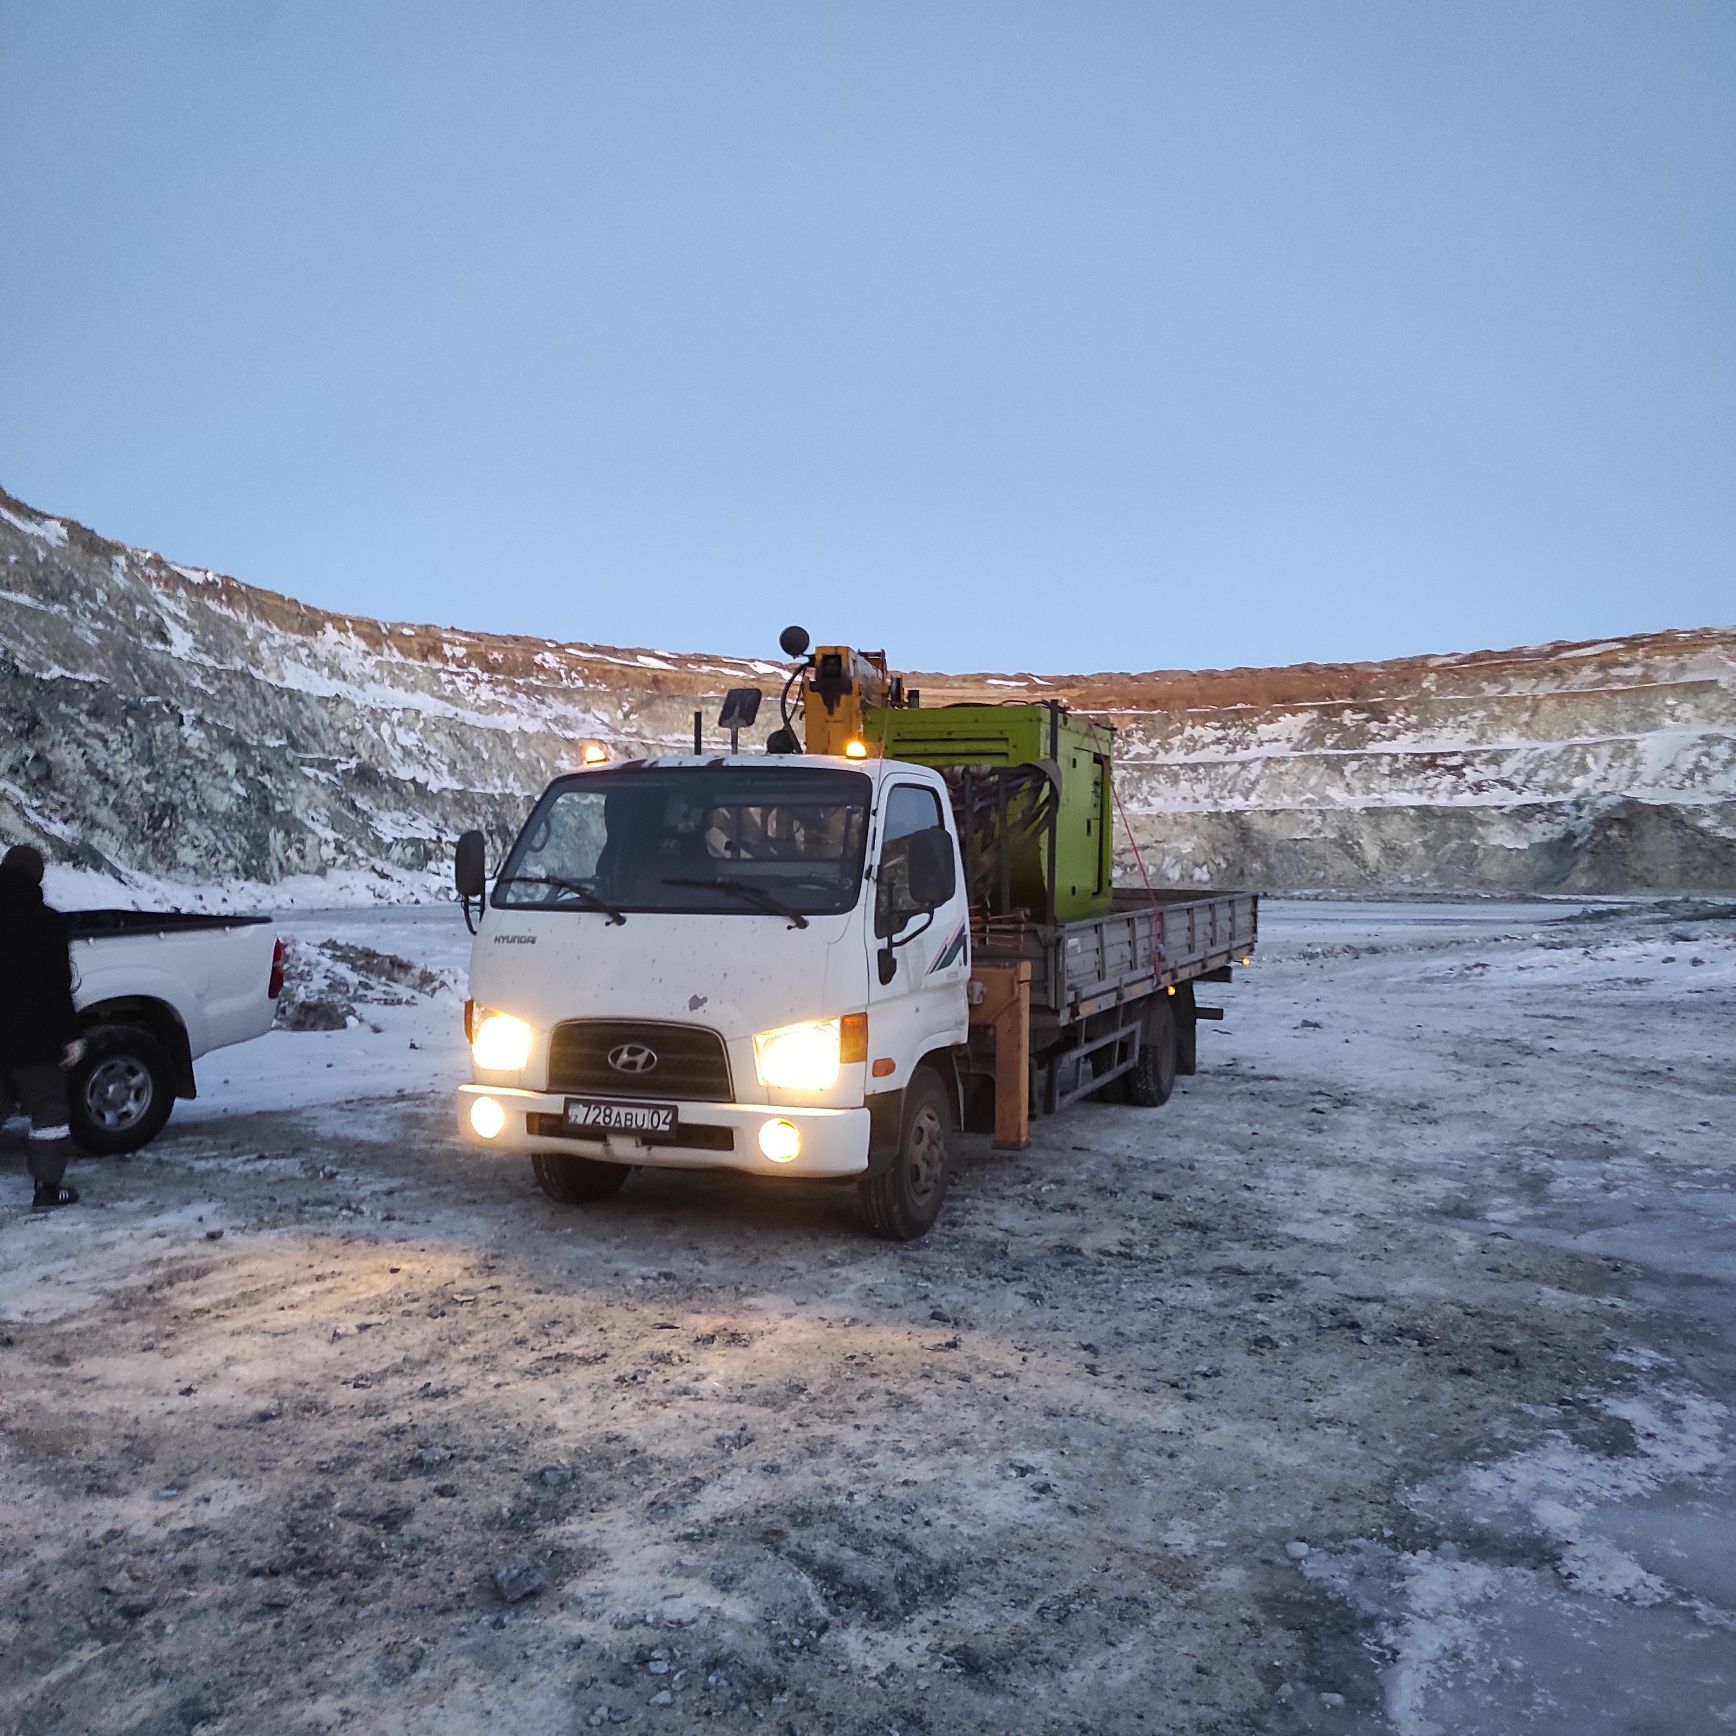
[1153, 1076]
[902, 1202]
[576, 1181]
[120, 1093]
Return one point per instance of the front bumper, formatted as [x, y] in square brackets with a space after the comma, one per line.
[726, 1135]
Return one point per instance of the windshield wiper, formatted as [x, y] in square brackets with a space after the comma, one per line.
[742, 889]
[577, 887]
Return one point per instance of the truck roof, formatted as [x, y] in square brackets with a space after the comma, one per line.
[875, 768]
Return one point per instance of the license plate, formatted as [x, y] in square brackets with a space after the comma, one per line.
[591, 1114]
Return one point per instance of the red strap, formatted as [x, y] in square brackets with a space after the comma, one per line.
[1156, 909]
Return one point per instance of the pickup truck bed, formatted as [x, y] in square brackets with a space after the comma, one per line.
[95, 924]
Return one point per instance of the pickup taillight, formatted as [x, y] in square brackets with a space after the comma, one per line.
[275, 987]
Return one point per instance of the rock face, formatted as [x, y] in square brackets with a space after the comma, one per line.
[1607, 767]
[158, 720]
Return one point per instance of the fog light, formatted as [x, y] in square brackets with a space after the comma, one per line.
[487, 1117]
[781, 1141]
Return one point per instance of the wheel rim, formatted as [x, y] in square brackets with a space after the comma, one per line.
[925, 1156]
[118, 1093]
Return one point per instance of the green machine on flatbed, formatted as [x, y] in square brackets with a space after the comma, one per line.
[1101, 979]
[1033, 793]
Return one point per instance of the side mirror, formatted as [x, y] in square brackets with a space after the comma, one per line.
[933, 869]
[470, 866]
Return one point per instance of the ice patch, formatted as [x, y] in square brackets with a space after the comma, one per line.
[1597, 1566]
[1676, 1435]
[1447, 1625]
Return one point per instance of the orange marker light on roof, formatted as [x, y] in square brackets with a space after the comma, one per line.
[592, 753]
[855, 748]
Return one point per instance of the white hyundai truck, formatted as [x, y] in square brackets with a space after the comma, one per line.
[728, 961]
[827, 963]
[773, 964]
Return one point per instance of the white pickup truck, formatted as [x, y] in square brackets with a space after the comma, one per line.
[154, 992]
[765, 963]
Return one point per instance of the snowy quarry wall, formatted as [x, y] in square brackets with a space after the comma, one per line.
[159, 722]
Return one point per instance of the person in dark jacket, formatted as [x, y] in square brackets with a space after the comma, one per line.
[38, 1026]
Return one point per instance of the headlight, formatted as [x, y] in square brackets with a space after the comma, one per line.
[799, 1057]
[501, 1043]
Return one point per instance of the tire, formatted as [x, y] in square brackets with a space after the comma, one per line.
[1153, 1076]
[902, 1202]
[576, 1181]
[121, 1093]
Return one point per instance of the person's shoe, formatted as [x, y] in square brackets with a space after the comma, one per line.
[49, 1195]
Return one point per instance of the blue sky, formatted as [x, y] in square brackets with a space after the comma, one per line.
[1059, 337]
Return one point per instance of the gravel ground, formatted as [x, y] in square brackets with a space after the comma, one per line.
[1373, 1384]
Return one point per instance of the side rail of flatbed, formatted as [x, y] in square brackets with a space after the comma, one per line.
[1143, 945]
[1146, 943]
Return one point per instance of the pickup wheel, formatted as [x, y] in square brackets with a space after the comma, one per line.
[1153, 1076]
[120, 1094]
[903, 1201]
[576, 1181]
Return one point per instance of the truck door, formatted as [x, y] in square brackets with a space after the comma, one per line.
[922, 1005]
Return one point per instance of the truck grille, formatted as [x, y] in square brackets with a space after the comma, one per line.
[691, 1063]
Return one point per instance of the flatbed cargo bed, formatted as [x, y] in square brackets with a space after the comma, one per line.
[1148, 941]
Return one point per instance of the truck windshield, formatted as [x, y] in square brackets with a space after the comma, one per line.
[734, 840]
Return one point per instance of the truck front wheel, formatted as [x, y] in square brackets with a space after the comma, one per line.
[1153, 1075]
[902, 1202]
[576, 1181]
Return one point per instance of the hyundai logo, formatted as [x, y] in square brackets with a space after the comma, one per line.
[632, 1058]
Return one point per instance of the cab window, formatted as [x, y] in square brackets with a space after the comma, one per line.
[910, 808]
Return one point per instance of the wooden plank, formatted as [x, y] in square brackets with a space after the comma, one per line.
[1005, 1006]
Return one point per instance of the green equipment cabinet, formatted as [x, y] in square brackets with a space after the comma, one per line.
[1033, 796]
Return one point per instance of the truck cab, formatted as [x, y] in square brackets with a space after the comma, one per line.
[731, 961]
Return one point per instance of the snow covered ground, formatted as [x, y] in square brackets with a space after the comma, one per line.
[1377, 1383]
[398, 1051]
